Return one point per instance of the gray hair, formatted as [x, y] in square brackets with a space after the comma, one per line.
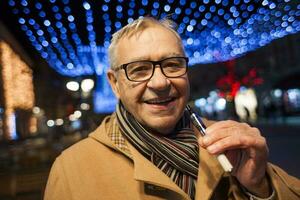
[134, 27]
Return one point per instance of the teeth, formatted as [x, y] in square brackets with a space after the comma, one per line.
[155, 101]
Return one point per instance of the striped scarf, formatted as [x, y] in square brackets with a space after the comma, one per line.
[177, 154]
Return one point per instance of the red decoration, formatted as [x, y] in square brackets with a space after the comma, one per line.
[229, 84]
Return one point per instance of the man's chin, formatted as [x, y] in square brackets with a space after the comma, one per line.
[161, 129]
[161, 132]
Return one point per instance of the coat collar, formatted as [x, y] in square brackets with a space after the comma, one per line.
[209, 174]
[145, 171]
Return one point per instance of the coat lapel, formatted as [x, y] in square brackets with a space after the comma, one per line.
[210, 171]
[145, 171]
[209, 175]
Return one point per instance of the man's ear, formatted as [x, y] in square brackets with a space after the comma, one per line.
[111, 76]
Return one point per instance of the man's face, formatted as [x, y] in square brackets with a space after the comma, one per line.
[159, 102]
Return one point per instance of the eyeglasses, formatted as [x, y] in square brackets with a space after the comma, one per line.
[143, 70]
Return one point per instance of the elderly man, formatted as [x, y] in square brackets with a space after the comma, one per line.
[148, 148]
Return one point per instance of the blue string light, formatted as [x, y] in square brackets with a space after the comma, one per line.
[178, 11]
[144, 2]
[132, 4]
[156, 5]
[226, 29]
[141, 11]
[11, 3]
[167, 8]
[154, 12]
[86, 5]
[24, 3]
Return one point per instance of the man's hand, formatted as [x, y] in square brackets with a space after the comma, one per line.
[245, 148]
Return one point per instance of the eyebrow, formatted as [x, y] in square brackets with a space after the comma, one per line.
[161, 58]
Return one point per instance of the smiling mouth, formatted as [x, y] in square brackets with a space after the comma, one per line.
[160, 101]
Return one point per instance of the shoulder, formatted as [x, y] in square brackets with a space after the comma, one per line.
[285, 185]
[79, 147]
[96, 140]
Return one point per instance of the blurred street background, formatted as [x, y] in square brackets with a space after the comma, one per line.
[244, 64]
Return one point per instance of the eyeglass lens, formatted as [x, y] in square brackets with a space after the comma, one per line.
[143, 70]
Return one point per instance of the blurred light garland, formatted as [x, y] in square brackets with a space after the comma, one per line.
[212, 30]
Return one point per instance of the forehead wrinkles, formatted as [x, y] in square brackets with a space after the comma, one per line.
[136, 34]
[149, 37]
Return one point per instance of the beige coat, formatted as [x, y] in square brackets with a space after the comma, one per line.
[95, 168]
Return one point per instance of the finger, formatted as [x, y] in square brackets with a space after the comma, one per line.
[223, 124]
[220, 134]
[234, 129]
[234, 156]
[205, 141]
[236, 142]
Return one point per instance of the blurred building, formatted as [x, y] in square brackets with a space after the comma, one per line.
[17, 99]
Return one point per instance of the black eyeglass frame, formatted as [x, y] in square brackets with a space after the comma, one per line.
[154, 63]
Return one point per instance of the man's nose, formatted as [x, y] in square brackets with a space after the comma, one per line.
[158, 81]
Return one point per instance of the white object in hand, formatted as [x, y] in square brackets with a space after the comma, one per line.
[225, 163]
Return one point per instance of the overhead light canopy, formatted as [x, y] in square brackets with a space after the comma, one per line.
[73, 37]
